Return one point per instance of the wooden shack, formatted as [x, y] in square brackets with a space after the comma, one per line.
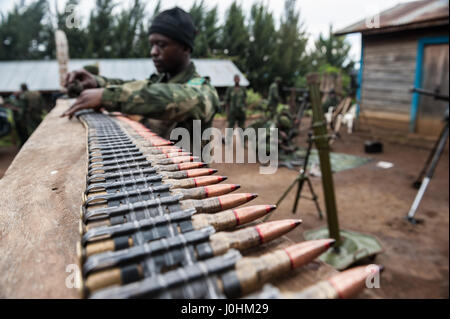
[403, 47]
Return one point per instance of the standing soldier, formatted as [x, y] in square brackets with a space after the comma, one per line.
[274, 97]
[31, 104]
[12, 103]
[235, 104]
[174, 99]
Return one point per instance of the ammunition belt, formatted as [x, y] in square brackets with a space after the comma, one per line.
[137, 235]
[124, 188]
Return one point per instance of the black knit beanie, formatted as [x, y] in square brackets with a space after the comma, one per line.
[176, 24]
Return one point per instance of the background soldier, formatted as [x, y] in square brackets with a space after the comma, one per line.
[287, 130]
[5, 127]
[235, 98]
[31, 103]
[176, 97]
[274, 97]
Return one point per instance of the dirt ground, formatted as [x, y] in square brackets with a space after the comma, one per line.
[374, 201]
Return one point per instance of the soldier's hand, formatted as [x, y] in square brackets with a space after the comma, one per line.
[88, 99]
[86, 79]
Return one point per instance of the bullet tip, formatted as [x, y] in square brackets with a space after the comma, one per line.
[222, 178]
[252, 196]
[331, 242]
[213, 170]
[236, 186]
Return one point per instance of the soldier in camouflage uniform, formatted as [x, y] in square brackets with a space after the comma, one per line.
[173, 98]
[274, 97]
[31, 103]
[235, 98]
[287, 131]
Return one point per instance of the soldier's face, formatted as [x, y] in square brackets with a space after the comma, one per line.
[167, 54]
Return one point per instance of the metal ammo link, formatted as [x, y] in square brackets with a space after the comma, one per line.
[121, 175]
[124, 185]
[170, 245]
[169, 284]
[149, 205]
[125, 197]
[153, 226]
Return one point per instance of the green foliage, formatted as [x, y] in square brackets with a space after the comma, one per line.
[77, 37]
[24, 32]
[255, 103]
[253, 97]
[333, 50]
[208, 32]
[235, 36]
[330, 69]
[128, 31]
[291, 44]
[252, 40]
[101, 30]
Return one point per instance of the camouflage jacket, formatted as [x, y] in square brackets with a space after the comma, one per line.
[274, 97]
[31, 105]
[168, 103]
[236, 99]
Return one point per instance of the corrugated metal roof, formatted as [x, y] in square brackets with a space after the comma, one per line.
[405, 16]
[43, 75]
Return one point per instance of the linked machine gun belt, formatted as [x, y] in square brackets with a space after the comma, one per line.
[157, 223]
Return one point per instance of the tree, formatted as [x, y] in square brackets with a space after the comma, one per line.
[291, 59]
[77, 37]
[197, 13]
[262, 47]
[211, 31]
[24, 33]
[205, 22]
[127, 31]
[101, 30]
[334, 51]
[235, 36]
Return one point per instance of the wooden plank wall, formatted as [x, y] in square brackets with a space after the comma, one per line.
[388, 74]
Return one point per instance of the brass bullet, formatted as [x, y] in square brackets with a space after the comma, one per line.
[346, 284]
[253, 272]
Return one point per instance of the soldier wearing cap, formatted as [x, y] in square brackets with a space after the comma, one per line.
[274, 96]
[174, 98]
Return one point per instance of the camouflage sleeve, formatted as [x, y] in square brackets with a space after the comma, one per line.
[164, 101]
[104, 82]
